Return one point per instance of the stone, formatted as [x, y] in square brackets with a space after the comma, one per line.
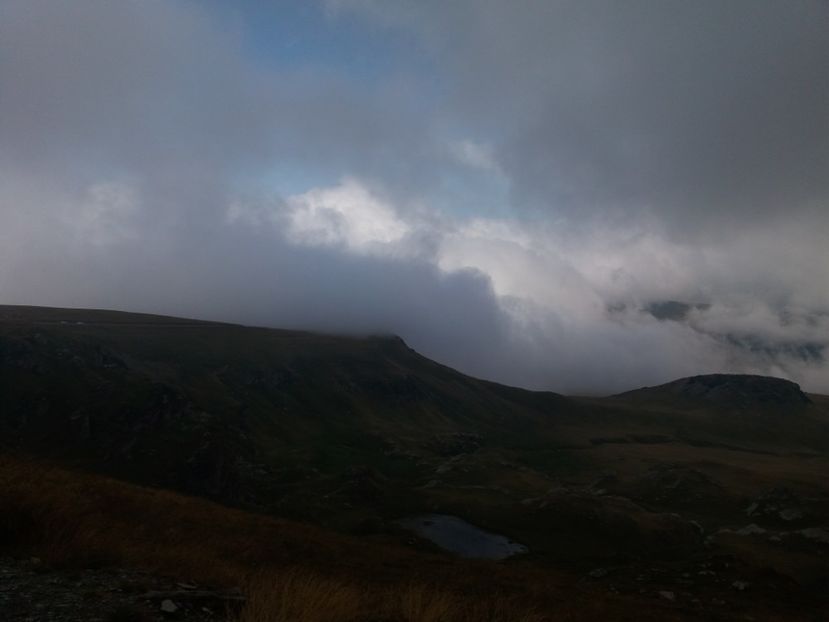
[750, 530]
[790, 514]
[168, 606]
[740, 586]
[667, 595]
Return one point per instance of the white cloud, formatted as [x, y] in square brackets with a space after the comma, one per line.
[554, 287]
[347, 214]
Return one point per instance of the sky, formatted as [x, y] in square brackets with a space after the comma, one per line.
[583, 196]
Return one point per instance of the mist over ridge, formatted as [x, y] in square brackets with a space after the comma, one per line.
[579, 197]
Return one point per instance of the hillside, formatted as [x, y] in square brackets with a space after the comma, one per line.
[690, 488]
[246, 415]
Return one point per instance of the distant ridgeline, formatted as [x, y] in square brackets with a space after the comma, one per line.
[726, 390]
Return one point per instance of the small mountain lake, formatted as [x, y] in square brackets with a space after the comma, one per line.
[456, 535]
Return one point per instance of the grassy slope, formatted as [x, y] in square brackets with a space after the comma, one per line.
[348, 432]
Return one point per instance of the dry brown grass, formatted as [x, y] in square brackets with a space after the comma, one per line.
[418, 603]
[298, 596]
[304, 597]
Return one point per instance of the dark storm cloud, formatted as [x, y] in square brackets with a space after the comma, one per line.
[701, 114]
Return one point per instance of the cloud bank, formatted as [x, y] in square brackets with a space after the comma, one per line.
[577, 196]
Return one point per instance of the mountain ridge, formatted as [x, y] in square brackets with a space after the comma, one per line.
[727, 389]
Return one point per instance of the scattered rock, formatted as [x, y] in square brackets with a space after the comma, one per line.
[751, 530]
[667, 595]
[778, 504]
[41, 593]
[740, 586]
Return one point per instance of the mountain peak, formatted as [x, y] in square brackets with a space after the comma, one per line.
[738, 390]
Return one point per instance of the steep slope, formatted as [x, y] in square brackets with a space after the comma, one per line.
[246, 415]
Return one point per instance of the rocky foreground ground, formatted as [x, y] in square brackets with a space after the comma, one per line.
[32, 592]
